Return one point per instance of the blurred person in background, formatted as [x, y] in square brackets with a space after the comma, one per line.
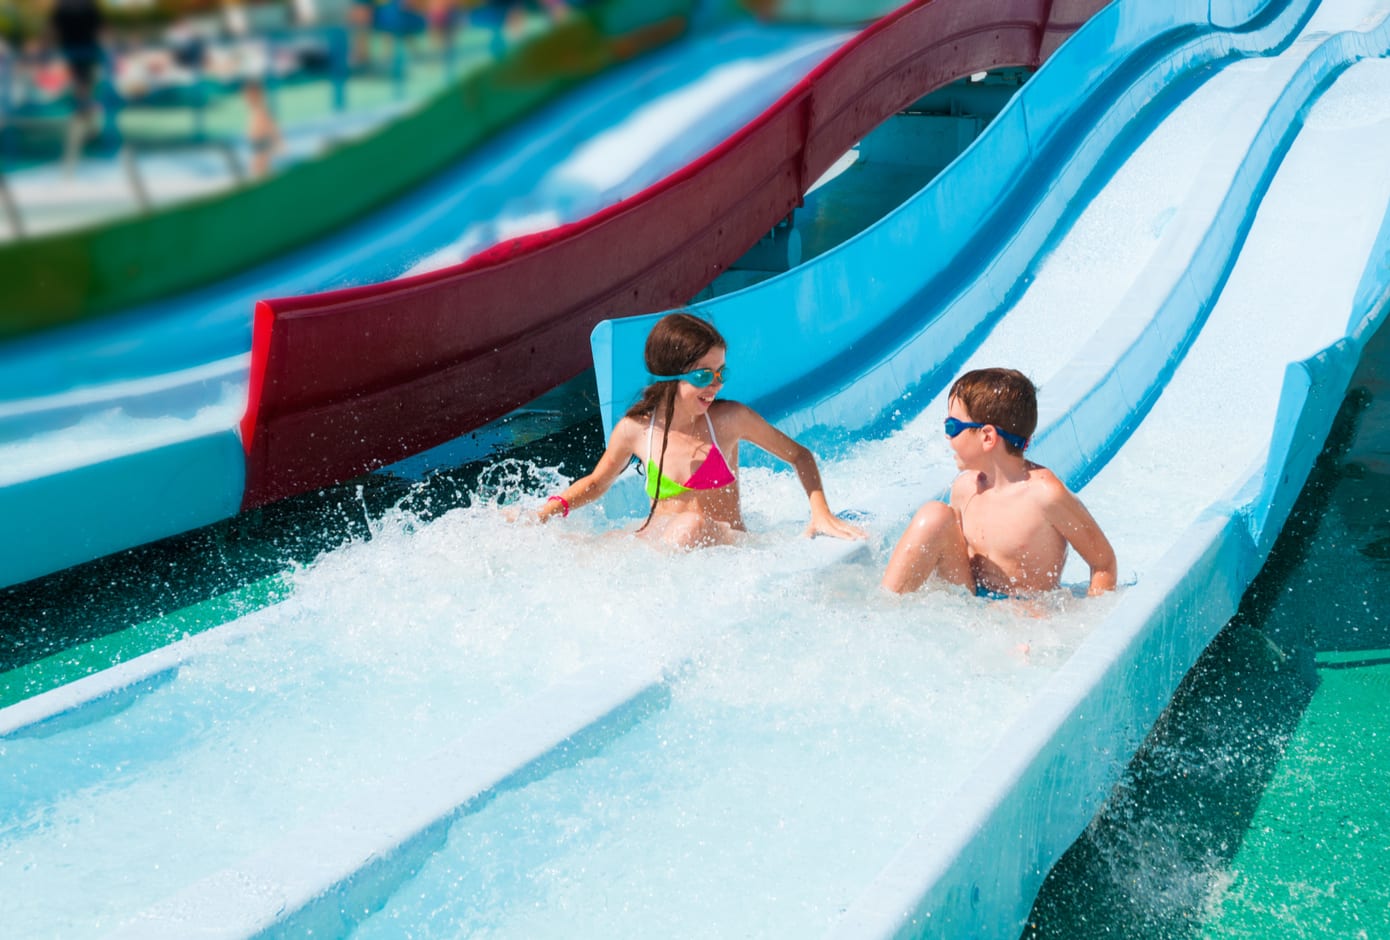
[262, 133]
[440, 15]
[250, 62]
[516, 10]
[361, 21]
[76, 26]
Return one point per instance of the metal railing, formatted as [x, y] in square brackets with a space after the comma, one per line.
[23, 104]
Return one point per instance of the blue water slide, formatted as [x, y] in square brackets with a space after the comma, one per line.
[838, 349]
[121, 431]
[1277, 172]
[857, 341]
[1070, 751]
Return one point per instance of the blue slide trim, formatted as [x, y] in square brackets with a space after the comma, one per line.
[840, 353]
[55, 521]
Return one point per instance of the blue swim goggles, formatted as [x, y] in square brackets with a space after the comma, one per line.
[700, 378]
[954, 426]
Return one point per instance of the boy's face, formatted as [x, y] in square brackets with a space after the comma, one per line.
[966, 444]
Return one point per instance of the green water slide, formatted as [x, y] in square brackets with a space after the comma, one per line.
[72, 275]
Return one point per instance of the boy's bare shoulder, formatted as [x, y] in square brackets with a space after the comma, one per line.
[1050, 490]
[965, 483]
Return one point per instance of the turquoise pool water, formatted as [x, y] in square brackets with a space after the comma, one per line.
[1161, 859]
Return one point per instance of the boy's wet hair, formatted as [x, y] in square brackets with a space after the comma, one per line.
[1005, 398]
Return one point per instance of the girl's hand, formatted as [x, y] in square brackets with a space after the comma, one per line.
[553, 506]
[515, 513]
[833, 526]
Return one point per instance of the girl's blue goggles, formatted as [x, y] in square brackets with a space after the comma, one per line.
[954, 426]
[700, 378]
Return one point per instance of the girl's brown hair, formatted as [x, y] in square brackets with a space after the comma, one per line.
[674, 345]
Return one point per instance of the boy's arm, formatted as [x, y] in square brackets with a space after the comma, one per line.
[1070, 517]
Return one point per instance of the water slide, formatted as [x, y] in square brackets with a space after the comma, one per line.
[124, 429]
[471, 725]
[139, 427]
[1237, 260]
[94, 269]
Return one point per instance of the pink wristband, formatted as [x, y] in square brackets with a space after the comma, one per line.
[564, 505]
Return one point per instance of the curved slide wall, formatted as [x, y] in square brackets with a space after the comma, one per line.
[975, 868]
[348, 381]
[70, 276]
[833, 359]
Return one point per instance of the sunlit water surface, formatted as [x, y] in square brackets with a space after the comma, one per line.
[808, 711]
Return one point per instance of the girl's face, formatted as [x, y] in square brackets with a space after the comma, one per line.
[696, 401]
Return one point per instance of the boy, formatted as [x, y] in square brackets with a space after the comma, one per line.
[1007, 528]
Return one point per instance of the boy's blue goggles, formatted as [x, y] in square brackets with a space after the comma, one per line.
[954, 426]
[700, 378]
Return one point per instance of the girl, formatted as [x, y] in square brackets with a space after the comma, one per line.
[680, 431]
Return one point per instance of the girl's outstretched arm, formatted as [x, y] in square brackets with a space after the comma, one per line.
[752, 427]
[621, 446]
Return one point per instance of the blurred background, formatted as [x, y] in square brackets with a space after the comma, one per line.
[113, 106]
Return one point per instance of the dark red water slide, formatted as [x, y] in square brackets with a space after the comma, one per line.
[347, 381]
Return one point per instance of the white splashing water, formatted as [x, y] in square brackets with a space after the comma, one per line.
[391, 646]
[813, 722]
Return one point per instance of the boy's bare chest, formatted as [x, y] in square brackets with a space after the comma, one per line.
[1003, 525]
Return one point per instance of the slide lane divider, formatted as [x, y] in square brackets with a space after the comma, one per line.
[1100, 385]
[325, 876]
[93, 697]
[125, 645]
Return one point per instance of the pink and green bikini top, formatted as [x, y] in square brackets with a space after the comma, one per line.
[712, 474]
